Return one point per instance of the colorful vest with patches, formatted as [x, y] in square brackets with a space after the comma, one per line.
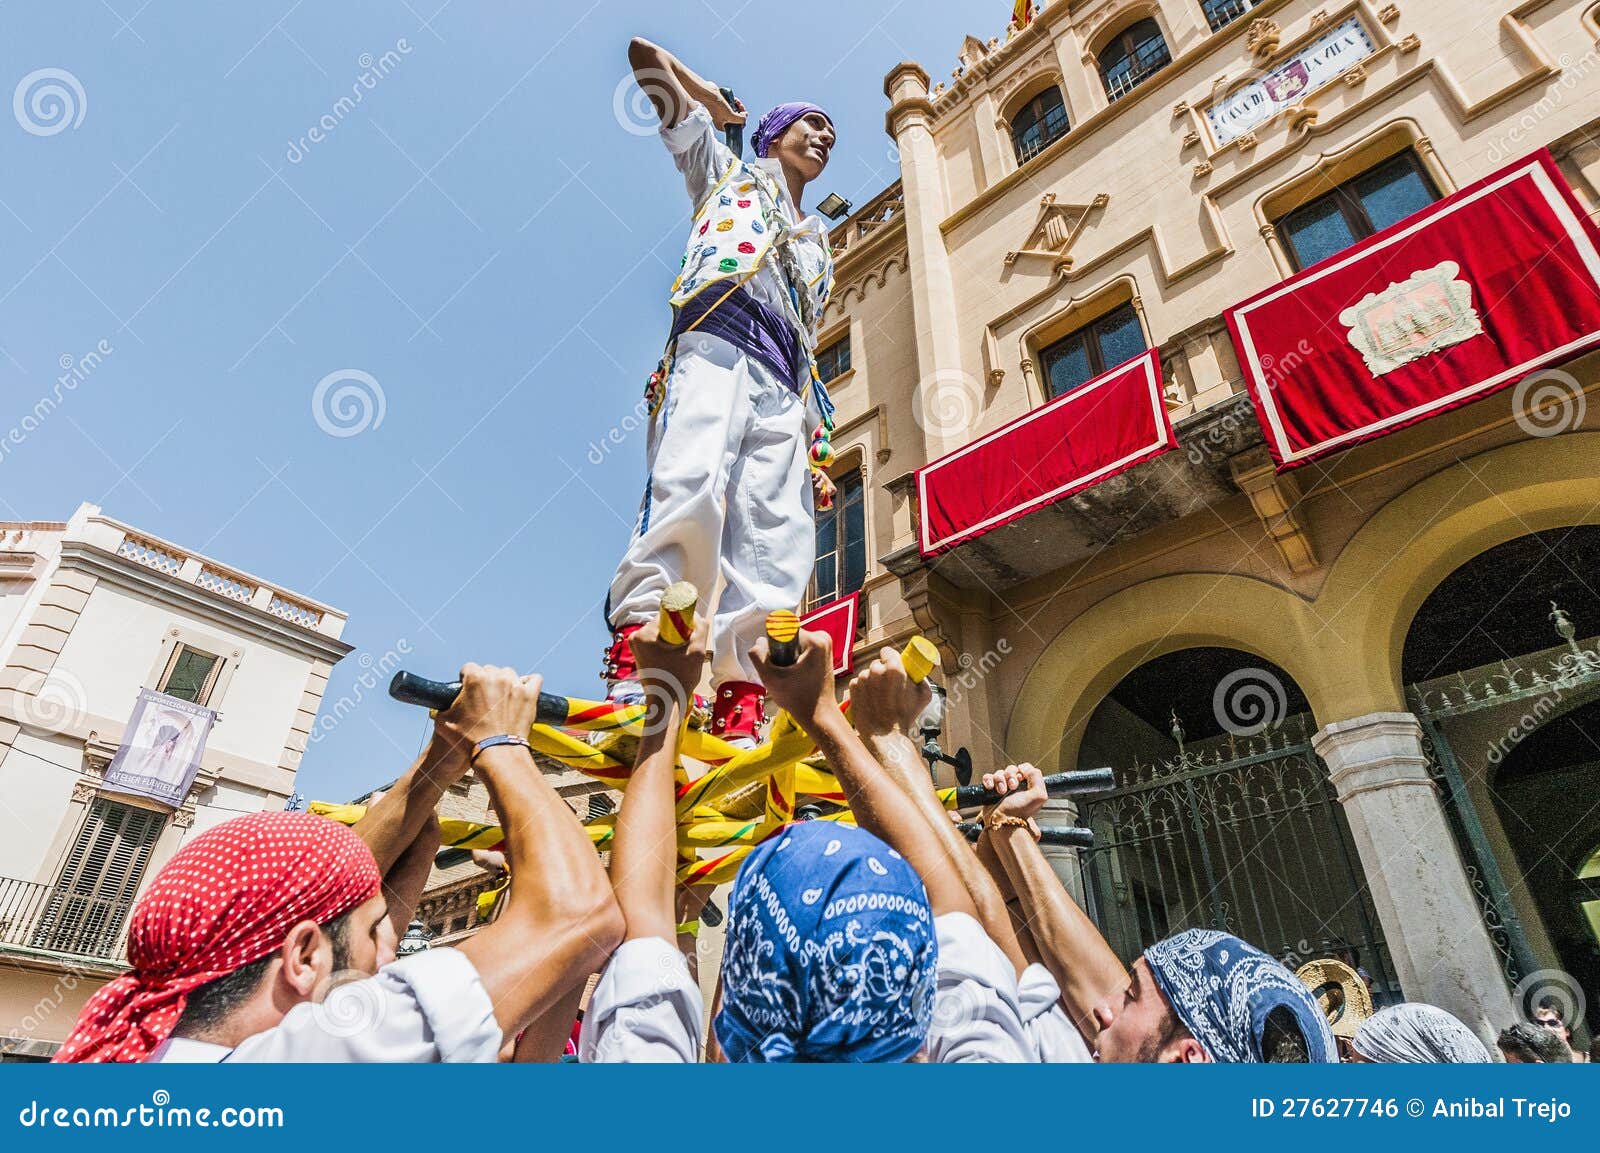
[736, 228]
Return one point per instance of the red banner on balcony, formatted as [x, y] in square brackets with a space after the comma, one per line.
[1110, 424]
[1449, 305]
[838, 620]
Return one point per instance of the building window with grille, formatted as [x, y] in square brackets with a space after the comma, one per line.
[1079, 357]
[1221, 13]
[190, 675]
[1356, 209]
[834, 360]
[1039, 122]
[841, 542]
[1132, 58]
[89, 902]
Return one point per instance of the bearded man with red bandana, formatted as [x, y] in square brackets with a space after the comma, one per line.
[272, 936]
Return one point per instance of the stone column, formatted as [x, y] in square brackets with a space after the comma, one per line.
[933, 296]
[1430, 918]
[1068, 867]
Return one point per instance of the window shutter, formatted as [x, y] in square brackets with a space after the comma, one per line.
[99, 877]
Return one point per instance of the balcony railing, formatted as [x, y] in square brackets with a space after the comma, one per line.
[44, 917]
[1144, 62]
[1221, 13]
[877, 212]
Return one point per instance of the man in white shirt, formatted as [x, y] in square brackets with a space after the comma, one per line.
[1200, 996]
[241, 936]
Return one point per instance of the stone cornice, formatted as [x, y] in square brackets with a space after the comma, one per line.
[156, 586]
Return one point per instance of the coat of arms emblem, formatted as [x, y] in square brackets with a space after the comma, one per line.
[1427, 311]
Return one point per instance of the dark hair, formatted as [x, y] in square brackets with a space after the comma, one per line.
[1533, 1043]
[1282, 1042]
[210, 1005]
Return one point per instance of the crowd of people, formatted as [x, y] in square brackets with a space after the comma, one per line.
[272, 937]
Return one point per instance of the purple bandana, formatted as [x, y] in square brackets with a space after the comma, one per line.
[776, 122]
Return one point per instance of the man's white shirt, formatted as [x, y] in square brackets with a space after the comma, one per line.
[425, 1008]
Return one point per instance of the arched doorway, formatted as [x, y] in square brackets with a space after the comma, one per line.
[1222, 817]
[1502, 667]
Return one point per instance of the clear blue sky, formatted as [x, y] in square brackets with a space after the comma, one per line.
[481, 235]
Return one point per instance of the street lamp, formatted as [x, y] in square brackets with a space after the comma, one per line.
[834, 206]
[415, 941]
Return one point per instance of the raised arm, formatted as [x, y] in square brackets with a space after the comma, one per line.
[560, 921]
[805, 691]
[1070, 946]
[672, 86]
[401, 829]
[884, 705]
[644, 852]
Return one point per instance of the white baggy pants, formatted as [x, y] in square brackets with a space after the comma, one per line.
[728, 496]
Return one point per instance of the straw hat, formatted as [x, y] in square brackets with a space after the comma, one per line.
[1340, 993]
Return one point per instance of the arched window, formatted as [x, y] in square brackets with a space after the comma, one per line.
[841, 564]
[1132, 58]
[1041, 121]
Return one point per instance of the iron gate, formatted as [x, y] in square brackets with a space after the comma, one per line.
[1536, 686]
[1244, 835]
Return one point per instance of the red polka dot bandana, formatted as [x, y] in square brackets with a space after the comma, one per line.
[227, 898]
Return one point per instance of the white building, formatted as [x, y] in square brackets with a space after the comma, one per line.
[92, 611]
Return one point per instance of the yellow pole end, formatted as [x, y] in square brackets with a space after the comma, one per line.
[920, 657]
[677, 613]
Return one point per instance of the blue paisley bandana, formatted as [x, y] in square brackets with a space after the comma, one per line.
[830, 954]
[1223, 989]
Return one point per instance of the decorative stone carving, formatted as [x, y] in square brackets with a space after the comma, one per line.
[1246, 142]
[184, 817]
[84, 791]
[996, 376]
[1410, 44]
[1388, 14]
[1263, 38]
[1355, 76]
[1056, 229]
[1191, 139]
[1180, 108]
[1300, 118]
[1203, 168]
[1319, 18]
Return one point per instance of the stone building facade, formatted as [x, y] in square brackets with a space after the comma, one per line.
[1342, 707]
[93, 612]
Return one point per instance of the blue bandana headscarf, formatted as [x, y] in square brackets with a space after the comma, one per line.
[830, 954]
[776, 122]
[1223, 989]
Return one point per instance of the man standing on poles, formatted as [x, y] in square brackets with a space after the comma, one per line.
[737, 389]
